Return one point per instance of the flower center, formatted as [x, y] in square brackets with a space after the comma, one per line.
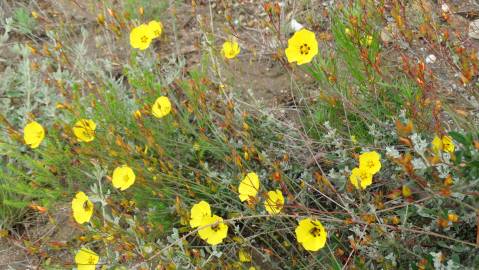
[304, 49]
[215, 227]
[278, 203]
[86, 133]
[144, 39]
[91, 260]
[87, 206]
[316, 232]
[126, 178]
[370, 164]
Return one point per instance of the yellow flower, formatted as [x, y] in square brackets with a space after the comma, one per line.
[367, 40]
[141, 36]
[230, 49]
[156, 27]
[302, 47]
[82, 208]
[33, 134]
[84, 130]
[347, 31]
[244, 256]
[370, 161]
[406, 191]
[123, 177]
[448, 144]
[361, 178]
[274, 202]
[452, 217]
[86, 259]
[353, 139]
[161, 107]
[249, 186]
[199, 212]
[311, 234]
[215, 233]
[436, 145]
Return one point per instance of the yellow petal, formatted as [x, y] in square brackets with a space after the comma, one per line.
[303, 230]
[274, 202]
[86, 259]
[436, 145]
[156, 27]
[244, 256]
[361, 178]
[215, 233]
[199, 212]
[249, 186]
[370, 161]
[448, 144]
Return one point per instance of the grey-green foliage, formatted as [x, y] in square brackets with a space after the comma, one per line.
[23, 21]
[24, 96]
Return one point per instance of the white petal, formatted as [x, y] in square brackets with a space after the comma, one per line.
[295, 25]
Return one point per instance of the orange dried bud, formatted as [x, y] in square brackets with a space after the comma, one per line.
[443, 223]
[38, 208]
[339, 252]
[404, 129]
[446, 192]
[111, 12]
[395, 220]
[100, 19]
[422, 264]
[137, 114]
[448, 181]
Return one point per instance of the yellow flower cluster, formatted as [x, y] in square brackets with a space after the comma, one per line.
[309, 233]
[369, 164]
[249, 187]
[142, 35]
[34, 133]
[212, 229]
[82, 208]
